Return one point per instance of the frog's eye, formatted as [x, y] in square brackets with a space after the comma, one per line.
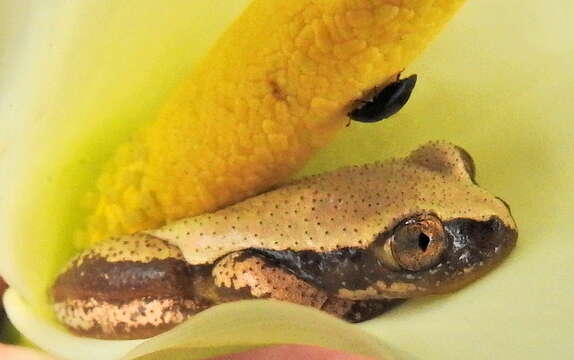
[415, 245]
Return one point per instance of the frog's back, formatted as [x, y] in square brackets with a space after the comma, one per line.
[342, 209]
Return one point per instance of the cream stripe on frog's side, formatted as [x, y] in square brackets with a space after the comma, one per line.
[275, 87]
[305, 215]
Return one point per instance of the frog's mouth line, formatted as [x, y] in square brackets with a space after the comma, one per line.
[475, 247]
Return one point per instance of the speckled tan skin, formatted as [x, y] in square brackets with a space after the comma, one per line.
[316, 242]
[344, 208]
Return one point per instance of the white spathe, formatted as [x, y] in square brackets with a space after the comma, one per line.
[78, 76]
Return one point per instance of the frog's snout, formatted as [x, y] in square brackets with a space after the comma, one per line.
[476, 248]
[472, 249]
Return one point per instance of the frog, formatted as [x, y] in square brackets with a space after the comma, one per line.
[354, 243]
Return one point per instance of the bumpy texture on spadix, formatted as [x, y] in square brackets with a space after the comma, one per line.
[274, 88]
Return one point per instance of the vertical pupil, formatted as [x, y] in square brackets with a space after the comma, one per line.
[423, 242]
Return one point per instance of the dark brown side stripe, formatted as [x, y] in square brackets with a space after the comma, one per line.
[95, 277]
[358, 268]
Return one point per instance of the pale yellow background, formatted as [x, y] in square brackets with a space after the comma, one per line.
[77, 77]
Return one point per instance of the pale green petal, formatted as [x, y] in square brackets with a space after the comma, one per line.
[499, 81]
[254, 323]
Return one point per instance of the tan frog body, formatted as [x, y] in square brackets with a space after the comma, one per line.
[351, 242]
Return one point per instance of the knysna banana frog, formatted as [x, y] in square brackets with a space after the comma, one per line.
[351, 242]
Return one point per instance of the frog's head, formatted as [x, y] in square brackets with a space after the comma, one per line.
[462, 232]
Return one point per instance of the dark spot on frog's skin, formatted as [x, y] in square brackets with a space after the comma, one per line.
[386, 102]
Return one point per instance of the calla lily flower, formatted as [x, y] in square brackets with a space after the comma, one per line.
[77, 78]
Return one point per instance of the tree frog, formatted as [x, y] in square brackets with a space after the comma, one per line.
[353, 242]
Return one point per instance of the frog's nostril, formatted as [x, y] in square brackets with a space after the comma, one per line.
[423, 241]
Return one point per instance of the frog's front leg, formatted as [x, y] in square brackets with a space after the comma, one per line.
[245, 271]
